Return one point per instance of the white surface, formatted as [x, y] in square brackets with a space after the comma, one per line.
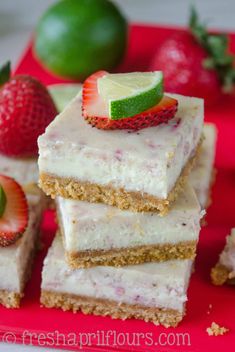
[16, 26]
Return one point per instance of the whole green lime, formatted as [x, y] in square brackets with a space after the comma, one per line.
[75, 38]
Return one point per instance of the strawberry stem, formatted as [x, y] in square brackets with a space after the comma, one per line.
[216, 46]
[5, 72]
[3, 201]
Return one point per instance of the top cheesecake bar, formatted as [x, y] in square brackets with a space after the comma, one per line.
[136, 170]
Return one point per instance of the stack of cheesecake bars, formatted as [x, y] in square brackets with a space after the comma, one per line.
[129, 208]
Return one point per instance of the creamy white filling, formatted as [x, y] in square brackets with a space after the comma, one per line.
[153, 284]
[201, 175]
[227, 257]
[99, 226]
[24, 171]
[150, 160]
[14, 259]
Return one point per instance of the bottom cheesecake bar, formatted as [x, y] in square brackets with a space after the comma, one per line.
[224, 271]
[16, 260]
[155, 292]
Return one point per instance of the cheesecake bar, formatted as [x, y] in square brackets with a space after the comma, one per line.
[23, 170]
[99, 234]
[134, 170]
[224, 271]
[16, 260]
[202, 175]
[154, 292]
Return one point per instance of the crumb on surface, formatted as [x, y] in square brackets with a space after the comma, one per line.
[216, 330]
[209, 309]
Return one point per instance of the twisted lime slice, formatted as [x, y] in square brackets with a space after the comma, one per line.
[128, 94]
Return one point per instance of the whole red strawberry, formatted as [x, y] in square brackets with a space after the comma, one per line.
[26, 109]
[180, 58]
[195, 63]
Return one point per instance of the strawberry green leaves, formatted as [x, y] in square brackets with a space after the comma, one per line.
[5, 72]
[216, 46]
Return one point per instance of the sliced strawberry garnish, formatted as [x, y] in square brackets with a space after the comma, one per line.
[160, 113]
[14, 217]
[92, 103]
[95, 110]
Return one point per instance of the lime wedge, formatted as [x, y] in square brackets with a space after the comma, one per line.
[63, 93]
[3, 201]
[128, 94]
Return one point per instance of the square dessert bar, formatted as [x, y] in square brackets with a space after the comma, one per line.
[203, 173]
[99, 234]
[224, 271]
[23, 170]
[154, 292]
[16, 260]
[139, 171]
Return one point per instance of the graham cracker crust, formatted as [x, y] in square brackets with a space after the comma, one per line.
[10, 299]
[131, 256]
[104, 307]
[220, 275]
[119, 197]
